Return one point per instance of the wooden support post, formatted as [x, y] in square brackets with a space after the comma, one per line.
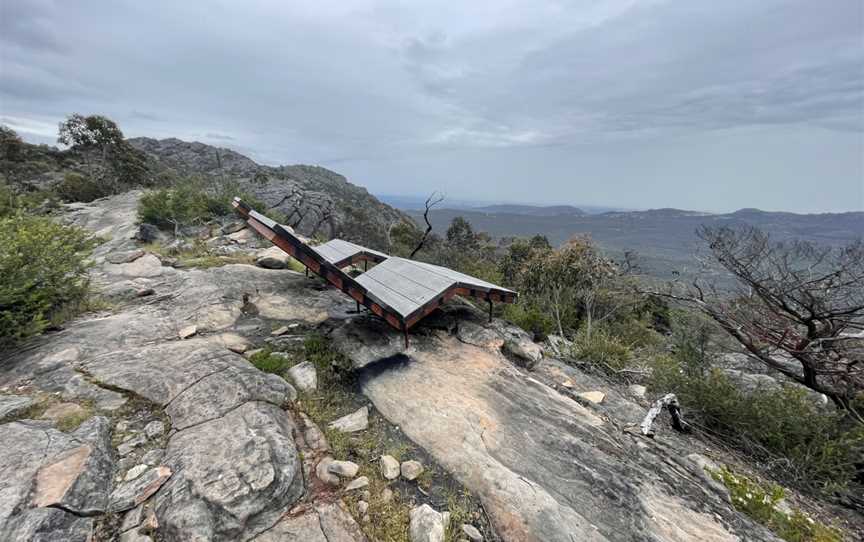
[365, 265]
[358, 306]
[490, 311]
[405, 332]
[307, 272]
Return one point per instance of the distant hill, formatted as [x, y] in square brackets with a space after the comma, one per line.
[328, 203]
[664, 238]
[532, 210]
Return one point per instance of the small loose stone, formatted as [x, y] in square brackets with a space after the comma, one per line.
[358, 483]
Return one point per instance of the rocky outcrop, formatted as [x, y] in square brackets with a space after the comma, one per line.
[545, 466]
[213, 456]
[315, 199]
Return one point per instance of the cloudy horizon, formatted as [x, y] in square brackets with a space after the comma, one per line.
[626, 103]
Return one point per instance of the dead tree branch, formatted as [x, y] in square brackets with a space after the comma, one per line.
[434, 199]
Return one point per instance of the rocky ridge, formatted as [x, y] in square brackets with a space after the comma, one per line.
[190, 441]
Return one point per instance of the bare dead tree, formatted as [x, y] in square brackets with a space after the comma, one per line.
[434, 199]
[798, 307]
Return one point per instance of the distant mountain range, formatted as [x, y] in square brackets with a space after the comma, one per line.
[664, 238]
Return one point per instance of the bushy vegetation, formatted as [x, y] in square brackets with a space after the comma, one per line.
[809, 444]
[761, 504]
[191, 202]
[77, 187]
[43, 275]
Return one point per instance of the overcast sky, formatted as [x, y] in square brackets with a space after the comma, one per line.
[699, 104]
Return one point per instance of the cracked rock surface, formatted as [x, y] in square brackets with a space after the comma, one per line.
[545, 466]
[230, 469]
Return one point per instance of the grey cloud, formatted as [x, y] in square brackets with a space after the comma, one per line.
[473, 97]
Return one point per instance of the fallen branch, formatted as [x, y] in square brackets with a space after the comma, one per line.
[670, 402]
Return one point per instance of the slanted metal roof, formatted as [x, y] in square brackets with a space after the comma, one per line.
[341, 253]
[408, 286]
[399, 290]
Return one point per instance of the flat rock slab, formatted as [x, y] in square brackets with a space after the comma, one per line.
[132, 493]
[351, 423]
[545, 467]
[41, 467]
[12, 405]
[196, 380]
[234, 476]
[322, 523]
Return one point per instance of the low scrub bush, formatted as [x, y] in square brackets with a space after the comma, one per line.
[760, 503]
[35, 202]
[43, 272]
[807, 444]
[76, 187]
[530, 318]
[603, 350]
[192, 202]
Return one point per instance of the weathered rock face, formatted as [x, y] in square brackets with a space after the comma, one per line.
[234, 476]
[41, 468]
[230, 467]
[545, 466]
[314, 198]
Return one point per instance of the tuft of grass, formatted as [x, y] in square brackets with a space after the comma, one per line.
[388, 521]
[71, 422]
[760, 503]
[199, 255]
[272, 362]
[459, 506]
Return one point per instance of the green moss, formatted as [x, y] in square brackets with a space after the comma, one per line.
[71, 422]
[760, 503]
[272, 362]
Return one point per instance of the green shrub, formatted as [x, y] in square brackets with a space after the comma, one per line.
[602, 349]
[171, 208]
[13, 201]
[530, 318]
[43, 272]
[77, 187]
[760, 503]
[809, 445]
[193, 201]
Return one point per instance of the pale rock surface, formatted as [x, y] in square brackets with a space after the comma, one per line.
[135, 472]
[411, 469]
[272, 258]
[595, 397]
[493, 430]
[13, 405]
[356, 421]
[322, 470]
[357, 483]
[344, 469]
[427, 525]
[472, 533]
[131, 493]
[154, 429]
[187, 331]
[304, 375]
[389, 467]
[322, 523]
[638, 390]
